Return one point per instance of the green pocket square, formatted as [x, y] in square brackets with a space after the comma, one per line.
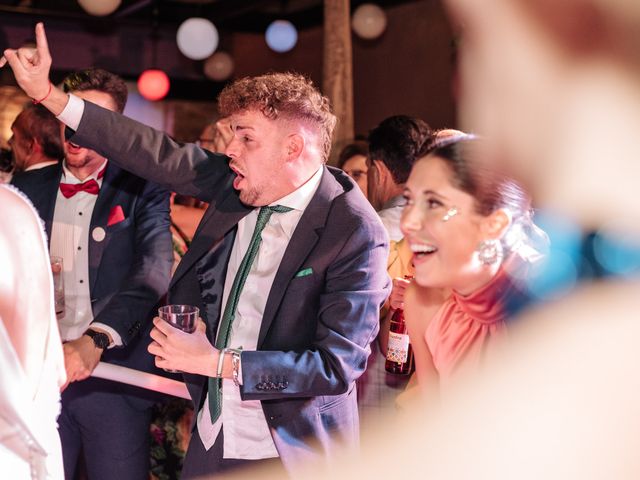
[304, 272]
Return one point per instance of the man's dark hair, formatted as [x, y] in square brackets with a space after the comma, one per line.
[396, 141]
[37, 123]
[100, 80]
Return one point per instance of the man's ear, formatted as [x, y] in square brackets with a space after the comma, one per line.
[34, 146]
[384, 174]
[294, 146]
[496, 224]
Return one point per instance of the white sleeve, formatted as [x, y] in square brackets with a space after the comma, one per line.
[72, 113]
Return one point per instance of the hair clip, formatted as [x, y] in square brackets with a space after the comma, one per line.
[452, 212]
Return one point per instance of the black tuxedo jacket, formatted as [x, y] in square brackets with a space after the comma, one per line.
[316, 328]
[129, 270]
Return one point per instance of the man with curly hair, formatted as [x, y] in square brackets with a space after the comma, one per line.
[287, 267]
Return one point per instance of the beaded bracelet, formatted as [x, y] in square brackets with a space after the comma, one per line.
[37, 102]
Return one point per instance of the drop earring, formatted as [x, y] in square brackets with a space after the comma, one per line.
[489, 251]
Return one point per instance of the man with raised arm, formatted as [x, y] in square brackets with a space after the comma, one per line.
[287, 267]
[111, 229]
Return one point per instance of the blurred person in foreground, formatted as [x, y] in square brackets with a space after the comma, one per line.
[272, 373]
[353, 160]
[31, 360]
[471, 234]
[111, 229]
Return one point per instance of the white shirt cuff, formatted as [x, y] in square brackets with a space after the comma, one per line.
[72, 113]
[240, 371]
[115, 336]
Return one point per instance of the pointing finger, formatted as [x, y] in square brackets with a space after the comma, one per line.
[42, 45]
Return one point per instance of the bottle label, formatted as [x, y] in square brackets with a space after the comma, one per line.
[398, 348]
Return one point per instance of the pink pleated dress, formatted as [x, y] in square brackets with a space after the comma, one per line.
[467, 327]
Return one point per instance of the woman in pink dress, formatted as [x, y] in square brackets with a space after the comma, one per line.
[470, 231]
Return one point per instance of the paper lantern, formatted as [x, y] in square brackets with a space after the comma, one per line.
[281, 36]
[197, 38]
[369, 21]
[153, 84]
[218, 66]
[99, 8]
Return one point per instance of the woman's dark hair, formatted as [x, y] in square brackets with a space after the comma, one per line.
[358, 147]
[490, 189]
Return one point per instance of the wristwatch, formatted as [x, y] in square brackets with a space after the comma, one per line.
[100, 340]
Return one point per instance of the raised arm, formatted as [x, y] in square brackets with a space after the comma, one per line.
[31, 68]
[142, 150]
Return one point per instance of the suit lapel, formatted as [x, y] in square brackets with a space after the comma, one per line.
[107, 198]
[217, 222]
[302, 242]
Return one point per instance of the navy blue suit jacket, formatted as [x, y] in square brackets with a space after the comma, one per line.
[129, 270]
[316, 329]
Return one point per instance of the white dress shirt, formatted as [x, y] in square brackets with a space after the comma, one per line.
[390, 215]
[72, 113]
[246, 433]
[70, 240]
[38, 166]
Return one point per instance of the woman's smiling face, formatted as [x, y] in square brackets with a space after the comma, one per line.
[443, 229]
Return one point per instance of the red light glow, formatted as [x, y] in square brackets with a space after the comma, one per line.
[153, 84]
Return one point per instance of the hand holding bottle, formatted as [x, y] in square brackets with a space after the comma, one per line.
[396, 299]
[399, 352]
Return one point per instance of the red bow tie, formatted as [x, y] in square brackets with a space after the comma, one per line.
[70, 189]
[90, 186]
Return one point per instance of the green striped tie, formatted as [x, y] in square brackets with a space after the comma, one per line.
[215, 384]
